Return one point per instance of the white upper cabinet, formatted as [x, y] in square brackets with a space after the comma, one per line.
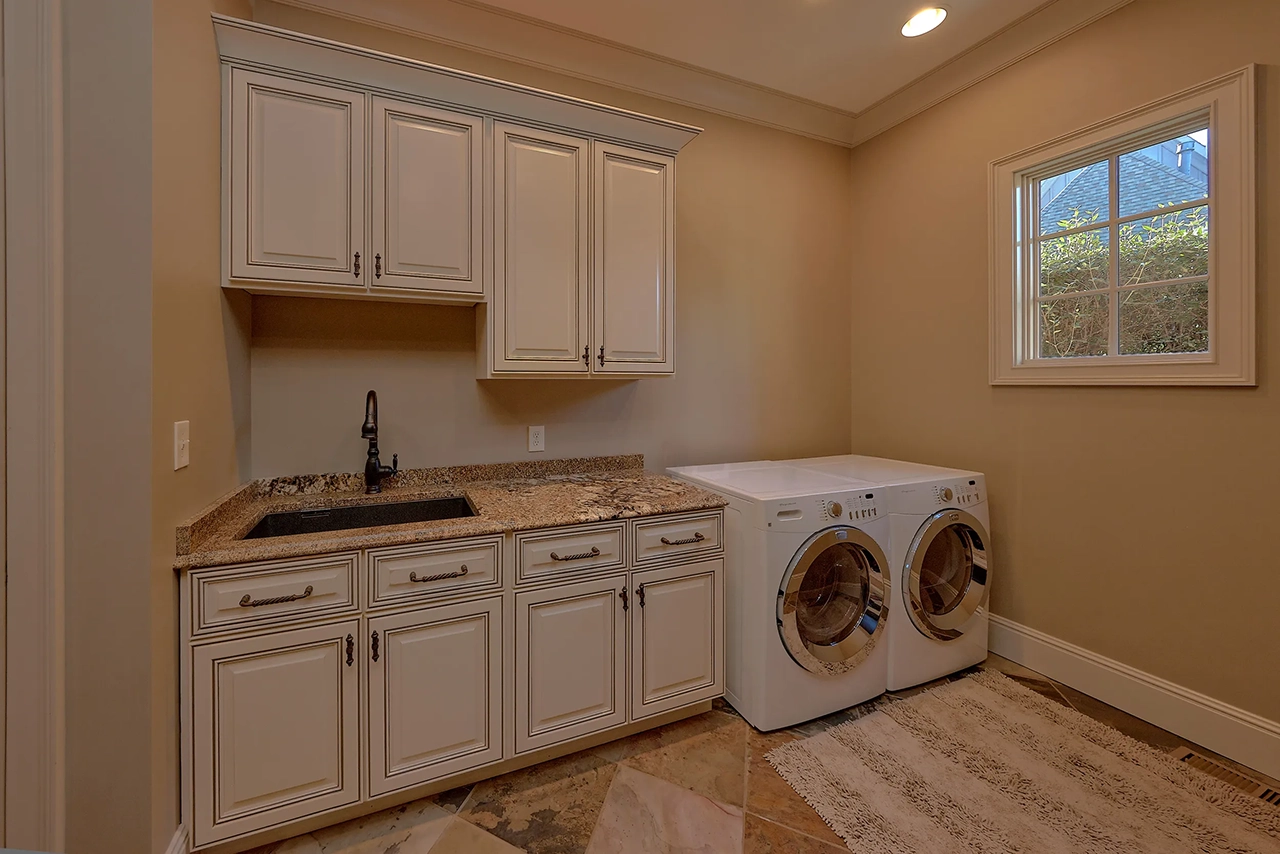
[427, 198]
[297, 181]
[407, 181]
[540, 314]
[634, 249]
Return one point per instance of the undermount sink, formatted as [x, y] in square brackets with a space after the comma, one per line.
[360, 516]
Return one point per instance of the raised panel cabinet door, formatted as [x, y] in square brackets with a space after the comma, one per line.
[571, 669]
[297, 181]
[677, 637]
[435, 693]
[276, 728]
[634, 251]
[540, 234]
[427, 198]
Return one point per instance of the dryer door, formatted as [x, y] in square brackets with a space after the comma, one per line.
[831, 602]
[946, 572]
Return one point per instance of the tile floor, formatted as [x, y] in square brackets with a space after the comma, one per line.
[701, 784]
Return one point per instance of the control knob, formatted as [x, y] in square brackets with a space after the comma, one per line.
[836, 510]
[946, 494]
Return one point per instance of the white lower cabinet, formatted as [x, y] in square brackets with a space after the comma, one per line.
[571, 661]
[677, 637]
[435, 693]
[282, 728]
[276, 729]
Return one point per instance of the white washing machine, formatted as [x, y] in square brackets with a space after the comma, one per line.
[806, 587]
[939, 563]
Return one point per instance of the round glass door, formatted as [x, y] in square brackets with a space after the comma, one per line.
[831, 603]
[946, 574]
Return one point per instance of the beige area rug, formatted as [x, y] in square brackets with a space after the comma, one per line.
[983, 764]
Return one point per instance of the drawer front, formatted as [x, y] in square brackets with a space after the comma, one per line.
[546, 554]
[274, 592]
[414, 572]
[659, 539]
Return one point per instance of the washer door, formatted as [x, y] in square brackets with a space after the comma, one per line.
[831, 602]
[946, 573]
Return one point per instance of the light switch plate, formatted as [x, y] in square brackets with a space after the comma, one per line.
[537, 439]
[181, 444]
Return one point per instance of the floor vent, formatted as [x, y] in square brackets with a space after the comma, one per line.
[1227, 775]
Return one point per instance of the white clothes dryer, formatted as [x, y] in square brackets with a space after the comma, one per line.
[940, 563]
[806, 588]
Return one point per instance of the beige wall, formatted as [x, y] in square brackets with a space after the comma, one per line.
[762, 319]
[1133, 522]
[199, 341]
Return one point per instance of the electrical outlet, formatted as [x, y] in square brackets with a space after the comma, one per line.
[181, 444]
[537, 439]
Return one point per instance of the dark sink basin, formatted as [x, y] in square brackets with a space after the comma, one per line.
[360, 516]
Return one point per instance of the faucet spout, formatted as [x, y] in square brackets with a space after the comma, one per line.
[370, 428]
[374, 471]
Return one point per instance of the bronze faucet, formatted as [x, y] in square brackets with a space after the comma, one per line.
[374, 470]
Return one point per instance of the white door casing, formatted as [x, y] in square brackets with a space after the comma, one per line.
[427, 198]
[298, 181]
[677, 636]
[571, 664]
[435, 693]
[276, 728]
[540, 251]
[633, 240]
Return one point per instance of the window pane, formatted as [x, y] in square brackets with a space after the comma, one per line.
[1076, 198]
[1168, 246]
[1165, 319]
[1075, 262]
[1166, 173]
[1074, 326]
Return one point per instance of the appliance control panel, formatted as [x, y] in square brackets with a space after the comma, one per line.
[960, 493]
[850, 508]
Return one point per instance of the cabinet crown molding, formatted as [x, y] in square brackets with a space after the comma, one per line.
[253, 45]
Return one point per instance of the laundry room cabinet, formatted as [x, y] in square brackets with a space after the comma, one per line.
[352, 174]
[350, 682]
[297, 182]
[276, 727]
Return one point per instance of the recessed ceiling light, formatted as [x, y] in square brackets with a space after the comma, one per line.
[924, 21]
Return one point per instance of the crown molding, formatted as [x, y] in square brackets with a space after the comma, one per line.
[483, 29]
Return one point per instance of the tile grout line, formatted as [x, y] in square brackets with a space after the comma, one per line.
[799, 832]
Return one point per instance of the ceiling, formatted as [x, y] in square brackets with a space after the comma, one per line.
[847, 54]
[835, 70]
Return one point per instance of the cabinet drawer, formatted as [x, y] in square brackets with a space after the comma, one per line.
[661, 538]
[274, 592]
[544, 554]
[413, 572]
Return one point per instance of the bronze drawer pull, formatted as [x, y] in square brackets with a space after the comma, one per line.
[696, 538]
[247, 602]
[413, 576]
[595, 552]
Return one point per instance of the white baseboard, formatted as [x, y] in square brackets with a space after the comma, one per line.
[178, 845]
[1240, 735]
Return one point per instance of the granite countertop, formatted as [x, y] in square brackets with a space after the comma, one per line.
[506, 497]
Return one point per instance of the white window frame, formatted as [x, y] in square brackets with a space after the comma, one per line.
[1227, 106]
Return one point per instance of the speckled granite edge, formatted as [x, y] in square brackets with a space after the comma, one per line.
[544, 494]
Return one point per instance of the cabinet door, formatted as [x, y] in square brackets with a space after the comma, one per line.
[677, 637]
[427, 198]
[634, 249]
[435, 693]
[297, 181]
[571, 668]
[540, 251]
[276, 728]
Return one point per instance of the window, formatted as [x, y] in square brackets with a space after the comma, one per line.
[1124, 253]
